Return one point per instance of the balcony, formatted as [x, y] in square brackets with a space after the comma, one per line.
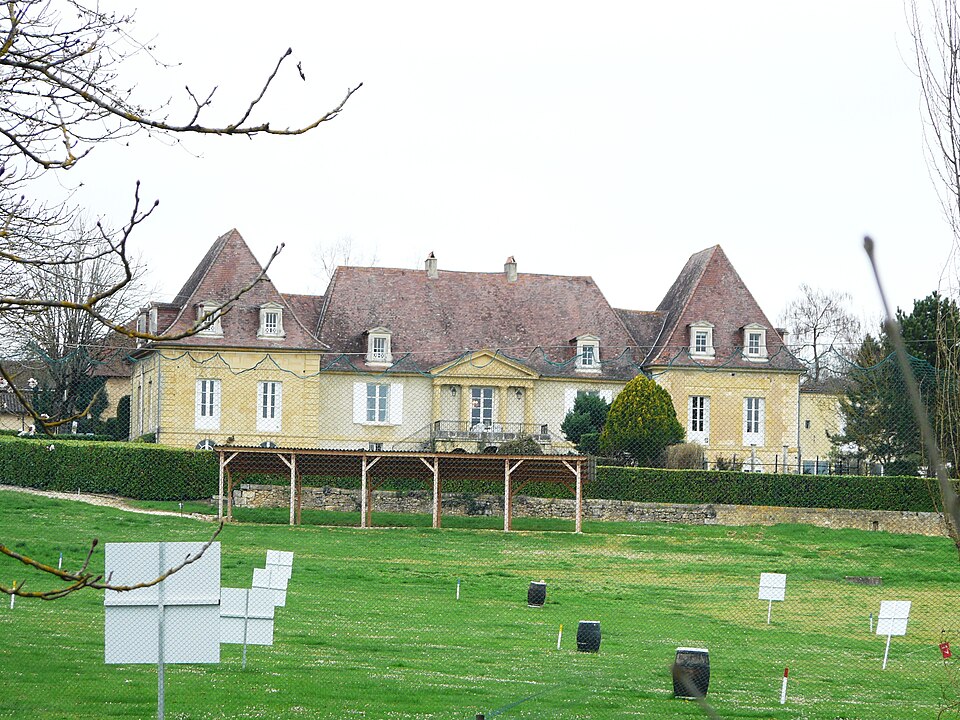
[458, 431]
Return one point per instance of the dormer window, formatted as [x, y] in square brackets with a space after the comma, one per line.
[271, 321]
[152, 321]
[701, 340]
[378, 347]
[588, 353]
[755, 342]
[214, 329]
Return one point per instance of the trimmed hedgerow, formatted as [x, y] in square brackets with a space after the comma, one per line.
[143, 472]
[154, 472]
[853, 492]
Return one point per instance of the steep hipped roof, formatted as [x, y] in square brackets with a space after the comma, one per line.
[708, 289]
[228, 267]
[534, 319]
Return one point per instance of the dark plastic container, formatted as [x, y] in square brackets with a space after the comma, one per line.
[588, 636]
[691, 672]
[537, 594]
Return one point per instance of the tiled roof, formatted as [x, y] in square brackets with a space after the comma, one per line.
[533, 320]
[709, 289]
[227, 267]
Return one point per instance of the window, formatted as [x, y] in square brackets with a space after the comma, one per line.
[207, 405]
[755, 342]
[271, 321]
[701, 339]
[571, 394]
[588, 353]
[215, 328]
[378, 347]
[753, 420]
[152, 321]
[377, 403]
[269, 406]
[698, 419]
[377, 398]
[481, 406]
[375, 447]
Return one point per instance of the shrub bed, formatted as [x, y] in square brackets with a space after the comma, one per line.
[851, 492]
[143, 472]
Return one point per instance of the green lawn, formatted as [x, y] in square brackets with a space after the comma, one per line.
[372, 627]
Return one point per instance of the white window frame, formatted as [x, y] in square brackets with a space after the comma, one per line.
[215, 329]
[152, 320]
[378, 403]
[207, 404]
[379, 352]
[698, 419]
[393, 392]
[588, 354]
[754, 421]
[706, 329]
[265, 332]
[269, 406]
[758, 352]
[480, 407]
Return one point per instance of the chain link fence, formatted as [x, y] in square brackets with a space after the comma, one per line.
[679, 535]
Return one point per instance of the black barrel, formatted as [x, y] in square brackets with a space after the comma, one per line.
[537, 594]
[588, 636]
[691, 672]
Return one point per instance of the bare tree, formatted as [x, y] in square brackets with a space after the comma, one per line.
[821, 328]
[328, 256]
[63, 92]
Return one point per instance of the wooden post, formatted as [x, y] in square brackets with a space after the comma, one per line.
[220, 490]
[229, 495]
[293, 487]
[507, 500]
[579, 503]
[363, 491]
[435, 469]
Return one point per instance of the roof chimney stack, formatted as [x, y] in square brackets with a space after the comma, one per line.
[431, 266]
[510, 269]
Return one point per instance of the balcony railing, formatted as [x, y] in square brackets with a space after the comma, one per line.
[462, 430]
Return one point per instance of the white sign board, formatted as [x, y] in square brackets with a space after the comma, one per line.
[280, 562]
[183, 609]
[246, 616]
[275, 582]
[773, 586]
[893, 617]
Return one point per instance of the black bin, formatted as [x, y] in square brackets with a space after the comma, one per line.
[691, 672]
[537, 594]
[588, 636]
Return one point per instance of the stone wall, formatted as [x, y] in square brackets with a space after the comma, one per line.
[330, 498]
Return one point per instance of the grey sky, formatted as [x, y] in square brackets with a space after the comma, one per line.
[607, 139]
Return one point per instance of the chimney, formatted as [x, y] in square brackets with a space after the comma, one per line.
[510, 269]
[431, 266]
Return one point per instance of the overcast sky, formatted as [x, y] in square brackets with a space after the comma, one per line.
[605, 139]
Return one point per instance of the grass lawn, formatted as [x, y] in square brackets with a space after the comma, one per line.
[372, 627]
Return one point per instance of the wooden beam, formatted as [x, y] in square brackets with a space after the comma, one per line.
[435, 469]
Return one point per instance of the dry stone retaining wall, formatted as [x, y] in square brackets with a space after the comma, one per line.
[331, 498]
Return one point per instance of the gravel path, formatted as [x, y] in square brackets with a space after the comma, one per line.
[104, 500]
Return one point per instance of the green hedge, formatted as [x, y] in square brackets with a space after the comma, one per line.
[155, 472]
[739, 488]
[144, 472]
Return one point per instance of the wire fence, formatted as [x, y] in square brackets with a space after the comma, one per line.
[729, 536]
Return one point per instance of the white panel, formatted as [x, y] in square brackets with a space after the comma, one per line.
[396, 403]
[259, 632]
[197, 583]
[893, 617]
[359, 402]
[773, 586]
[129, 564]
[231, 630]
[190, 634]
[263, 578]
[233, 602]
[131, 634]
[279, 557]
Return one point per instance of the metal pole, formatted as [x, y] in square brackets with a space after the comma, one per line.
[160, 610]
[293, 485]
[220, 491]
[579, 524]
[246, 620]
[363, 492]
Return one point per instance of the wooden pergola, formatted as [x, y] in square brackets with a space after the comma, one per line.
[374, 468]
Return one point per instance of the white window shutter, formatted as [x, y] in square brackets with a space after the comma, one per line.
[278, 418]
[569, 398]
[761, 430]
[197, 405]
[396, 403]
[607, 395]
[359, 402]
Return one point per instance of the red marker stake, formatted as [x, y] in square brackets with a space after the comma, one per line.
[783, 689]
